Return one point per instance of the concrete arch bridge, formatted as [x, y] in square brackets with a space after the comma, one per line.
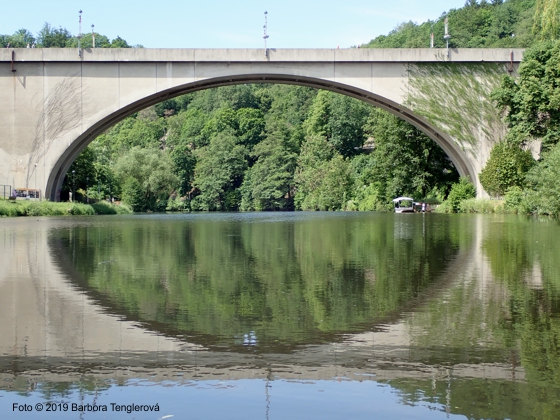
[54, 102]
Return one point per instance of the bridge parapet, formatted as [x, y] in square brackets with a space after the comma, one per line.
[379, 55]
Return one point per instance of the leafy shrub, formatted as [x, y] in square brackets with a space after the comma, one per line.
[177, 204]
[104, 207]
[445, 207]
[462, 190]
[369, 198]
[481, 205]
[544, 182]
[506, 168]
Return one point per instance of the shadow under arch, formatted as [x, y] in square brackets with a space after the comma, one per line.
[449, 146]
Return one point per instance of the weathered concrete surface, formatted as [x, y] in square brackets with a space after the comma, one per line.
[56, 101]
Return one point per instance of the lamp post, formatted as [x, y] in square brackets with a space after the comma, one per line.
[87, 189]
[80, 37]
[73, 185]
[446, 36]
[35, 180]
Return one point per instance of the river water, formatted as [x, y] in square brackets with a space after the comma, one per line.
[277, 315]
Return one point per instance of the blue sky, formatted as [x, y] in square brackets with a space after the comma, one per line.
[226, 24]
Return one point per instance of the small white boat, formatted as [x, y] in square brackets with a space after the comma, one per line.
[404, 205]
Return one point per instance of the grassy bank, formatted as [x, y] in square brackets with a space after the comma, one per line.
[485, 205]
[48, 208]
[476, 205]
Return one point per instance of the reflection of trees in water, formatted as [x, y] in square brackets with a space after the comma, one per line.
[511, 314]
[482, 398]
[51, 390]
[288, 282]
[524, 255]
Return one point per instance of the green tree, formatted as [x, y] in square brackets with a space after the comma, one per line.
[218, 173]
[532, 100]
[269, 183]
[498, 24]
[506, 167]
[544, 182]
[22, 38]
[407, 162]
[49, 37]
[250, 126]
[322, 177]
[154, 171]
[184, 162]
[81, 175]
[547, 18]
[339, 119]
[133, 194]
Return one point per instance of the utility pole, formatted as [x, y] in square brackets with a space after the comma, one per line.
[265, 37]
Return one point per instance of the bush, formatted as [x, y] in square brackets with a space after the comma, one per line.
[506, 168]
[544, 183]
[104, 207]
[177, 204]
[460, 191]
[445, 207]
[44, 208]
[48, 208]
[369, 198]
[481, 205]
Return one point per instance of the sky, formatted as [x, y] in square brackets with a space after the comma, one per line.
[226, 24]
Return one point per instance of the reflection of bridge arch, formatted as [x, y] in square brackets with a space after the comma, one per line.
[37, 297]
[57, 101]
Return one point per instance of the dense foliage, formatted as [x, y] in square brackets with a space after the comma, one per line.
[532, 100]
[49, 37]
[506, 168]
[261, 147]
[531, 104]
[482, 24]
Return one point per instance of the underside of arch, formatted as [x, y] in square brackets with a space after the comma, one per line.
[450, 147]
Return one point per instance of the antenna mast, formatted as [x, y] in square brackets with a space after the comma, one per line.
[265, 36]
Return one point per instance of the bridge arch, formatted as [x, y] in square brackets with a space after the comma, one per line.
[450, 147]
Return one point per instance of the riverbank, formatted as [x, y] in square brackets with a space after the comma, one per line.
[476, 205]
[49, 208]
[486, 205]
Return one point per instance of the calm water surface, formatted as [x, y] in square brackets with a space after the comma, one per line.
[277, 315]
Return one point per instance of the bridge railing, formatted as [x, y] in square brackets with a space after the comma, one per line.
[5, 191]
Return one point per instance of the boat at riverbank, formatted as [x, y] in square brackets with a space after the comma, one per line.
[404, 205]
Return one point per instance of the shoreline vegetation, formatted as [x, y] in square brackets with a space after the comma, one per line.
[9, 208]
[510, 204]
